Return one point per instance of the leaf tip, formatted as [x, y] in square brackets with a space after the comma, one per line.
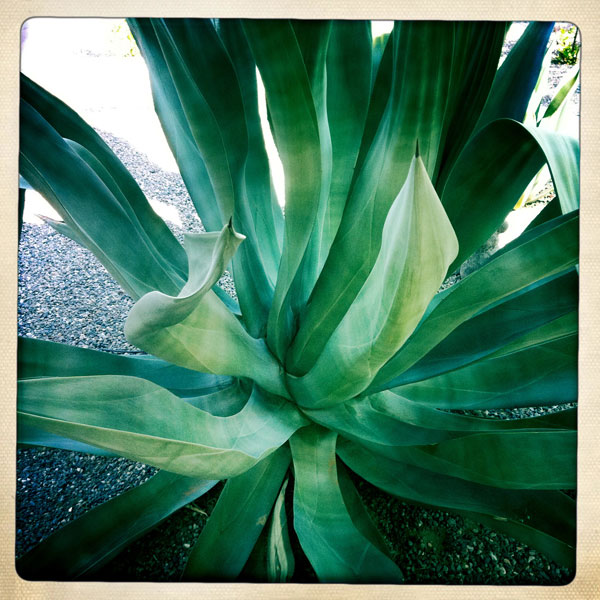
[417, 153]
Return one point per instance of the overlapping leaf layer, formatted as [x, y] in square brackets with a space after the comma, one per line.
[401, 158]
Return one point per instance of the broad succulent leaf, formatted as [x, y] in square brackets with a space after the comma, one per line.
[530, 376]
[392, 419]
[43, 157]
[419, 79]
[546, 518]
[540, 306]
[477, 50]
[295, 113]
[76, 131]
[491, 172]
[272, 558]
[495, 458]
[516, 78]
[40, 358]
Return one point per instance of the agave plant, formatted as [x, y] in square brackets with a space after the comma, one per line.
[340, 356]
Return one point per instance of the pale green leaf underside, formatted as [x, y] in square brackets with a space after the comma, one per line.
[195, 329]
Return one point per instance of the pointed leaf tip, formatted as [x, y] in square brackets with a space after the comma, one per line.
[417, 153]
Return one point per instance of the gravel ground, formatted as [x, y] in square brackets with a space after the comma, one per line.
[65, 295]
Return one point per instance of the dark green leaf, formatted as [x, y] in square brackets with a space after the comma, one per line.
[335, 546]
[550, 512]
[237, 520]
[516, 78]
[540, 374]
[87, 543]
[496, 458]
[492, 329]
[40, 358]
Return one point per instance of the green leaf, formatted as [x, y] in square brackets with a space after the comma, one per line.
[561, 328]
[225, 402]
[85, 544]
[496, 458]
[550, 211]
[563, 93]
[544, 251]
[272, 558]
[562, 155]
[496, 326]
[357, 511]
[176, 127]
[543, 374]
[379, 46]
[477, 49]
[390, 419]
[549, 512]
[313, 39]
[382, 73]
[41, 358]
[28, 435]
[335, 546]
[240, 514]
[517, 76]
[422, 55]
[348, 86]
[294, 114]
[554, 548]
[267, 216]
[194, 329]
[72, 127]
[209, 92]
[52, 167]
[141, 421]
[340, 89]
[280, 557]
[394, 406]
[493, 171]
[487, 181]
[400, 287]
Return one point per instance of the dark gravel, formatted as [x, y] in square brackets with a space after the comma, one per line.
[65, 295]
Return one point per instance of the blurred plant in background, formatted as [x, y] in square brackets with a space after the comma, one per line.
[567, 52]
